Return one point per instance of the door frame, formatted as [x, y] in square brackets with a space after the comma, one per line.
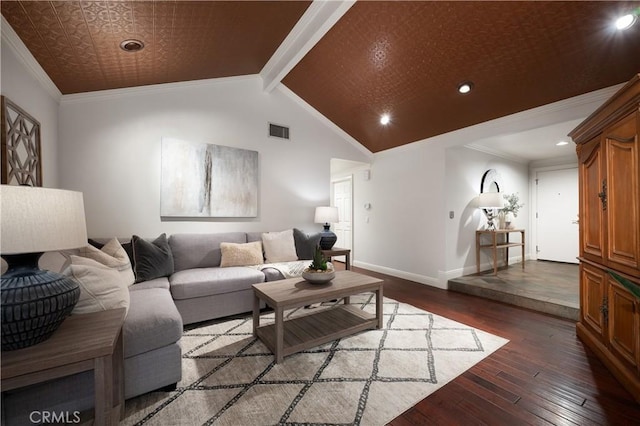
[345, 178]
[533, 199]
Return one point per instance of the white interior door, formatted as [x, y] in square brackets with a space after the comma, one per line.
[343, 200]
[557, 215]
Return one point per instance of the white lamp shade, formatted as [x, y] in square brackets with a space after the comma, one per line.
[490, 200]
[326, 215]
[35, 220]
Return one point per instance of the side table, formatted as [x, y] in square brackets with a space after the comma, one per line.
[82, 343]
[335, 251]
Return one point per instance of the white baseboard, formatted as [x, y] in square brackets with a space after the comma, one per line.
[485, 266]
[422, 279]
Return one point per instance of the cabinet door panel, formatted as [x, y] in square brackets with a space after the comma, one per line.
[624, 331]
[591, 211]
[592, 293]
[623, 198]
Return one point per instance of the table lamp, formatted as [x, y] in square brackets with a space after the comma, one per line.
[35, 220]
[488, 201]
[327, 216]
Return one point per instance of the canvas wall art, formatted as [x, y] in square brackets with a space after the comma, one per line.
[206, 180]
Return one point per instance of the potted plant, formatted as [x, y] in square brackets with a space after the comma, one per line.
[319, 271]
[511, 207]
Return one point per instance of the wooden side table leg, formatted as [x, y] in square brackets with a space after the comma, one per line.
[103, 392]
[506, 251]
[279, 335]
[347, 263]
[495, 254]
[379, 307]
[118, 387]
[477, 253]
[522, 233]
[256, 313]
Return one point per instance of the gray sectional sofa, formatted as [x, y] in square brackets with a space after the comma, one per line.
[198, 289]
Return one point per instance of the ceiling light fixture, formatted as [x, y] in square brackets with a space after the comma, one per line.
[385, 119]
[562, 143]
[465, 87]
[132, 45]
[626, 21]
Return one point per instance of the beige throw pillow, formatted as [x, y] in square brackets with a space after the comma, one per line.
[279, 246]
[234, 254]
[101, 287]
[113, 256]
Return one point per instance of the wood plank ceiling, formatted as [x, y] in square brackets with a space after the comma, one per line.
[405, 59]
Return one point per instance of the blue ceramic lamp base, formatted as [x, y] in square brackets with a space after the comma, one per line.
[34, 301]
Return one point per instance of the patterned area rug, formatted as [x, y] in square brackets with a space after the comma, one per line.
[229, 377]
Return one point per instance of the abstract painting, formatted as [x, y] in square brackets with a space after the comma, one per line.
[206, 180]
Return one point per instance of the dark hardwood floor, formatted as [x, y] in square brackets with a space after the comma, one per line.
[543, 376]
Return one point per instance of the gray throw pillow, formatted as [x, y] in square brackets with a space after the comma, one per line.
[305, 244]
[151, 259]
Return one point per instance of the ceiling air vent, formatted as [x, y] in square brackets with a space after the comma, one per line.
[278, 131]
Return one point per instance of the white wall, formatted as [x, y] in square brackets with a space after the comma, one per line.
[405, 235]
[19, 85]
[110, 150]
[464, 170]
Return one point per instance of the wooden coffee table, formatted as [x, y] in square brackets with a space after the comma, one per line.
[316, 327]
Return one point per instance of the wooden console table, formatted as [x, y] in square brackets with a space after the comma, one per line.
[495, 245]
[82, 343]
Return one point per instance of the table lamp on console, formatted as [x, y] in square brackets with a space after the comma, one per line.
[488, 202]
[327, 216]
[35, 220]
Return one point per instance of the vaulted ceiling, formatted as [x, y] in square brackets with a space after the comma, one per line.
[404, 59]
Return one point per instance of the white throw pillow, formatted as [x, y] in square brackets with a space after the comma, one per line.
[234, 254]
[279, 246]
[101, 287]
[113, 256]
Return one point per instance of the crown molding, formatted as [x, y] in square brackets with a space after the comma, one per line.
[497, 153]
[324, 120]
[319, 17]
[101, 95]
[26, 58]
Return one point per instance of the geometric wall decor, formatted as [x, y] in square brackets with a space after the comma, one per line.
[21, 154]
[206, 180]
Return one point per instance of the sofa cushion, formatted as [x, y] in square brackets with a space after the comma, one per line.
[279, 246]
[234, 254]
[153, 321]
[201, 282]
[113, 255]
[101, 287]
[201, 250]
[162, 282]
[305, 244]
[272, 274]
[126, 244]
[151, 259]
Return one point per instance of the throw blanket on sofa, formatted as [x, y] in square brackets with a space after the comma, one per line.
[288, 269]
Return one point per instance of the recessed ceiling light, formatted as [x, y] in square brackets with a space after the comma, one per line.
[131, 45]
[562, 143]
[626, 21]
[465, 87]
[384, 119]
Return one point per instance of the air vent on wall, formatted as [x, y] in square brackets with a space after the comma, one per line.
[278, 131]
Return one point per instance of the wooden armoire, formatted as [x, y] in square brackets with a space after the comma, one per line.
[608, 149]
